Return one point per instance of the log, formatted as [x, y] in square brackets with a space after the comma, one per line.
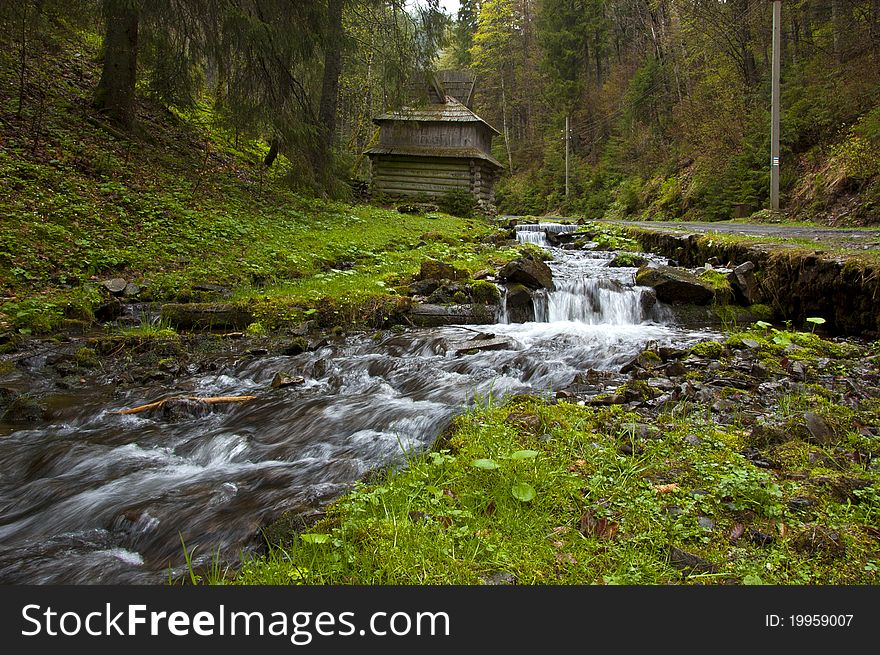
[212, 400]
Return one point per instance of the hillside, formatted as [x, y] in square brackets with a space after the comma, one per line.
[180, 209]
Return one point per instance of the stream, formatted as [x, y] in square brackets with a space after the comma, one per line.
[96, 497]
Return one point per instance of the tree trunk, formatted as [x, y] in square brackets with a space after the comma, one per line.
[115, 93]
[327, 112]
[272, 154]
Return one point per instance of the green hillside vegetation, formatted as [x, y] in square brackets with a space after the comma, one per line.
[182, 202]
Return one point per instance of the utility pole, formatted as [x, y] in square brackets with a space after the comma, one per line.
[774, 110]
[566, 156]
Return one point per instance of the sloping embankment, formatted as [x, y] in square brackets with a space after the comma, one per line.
[798, 283]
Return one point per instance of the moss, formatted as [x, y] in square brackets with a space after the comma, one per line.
[86, 358]
[485, 293]
[709, 349]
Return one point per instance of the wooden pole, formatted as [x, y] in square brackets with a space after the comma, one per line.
[774, 109]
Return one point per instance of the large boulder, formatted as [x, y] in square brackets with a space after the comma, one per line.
[520, 306]
[528, 270]
[675, 285]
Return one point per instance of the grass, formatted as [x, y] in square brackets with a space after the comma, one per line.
[181, 203]
[598, 517]
[545, 494]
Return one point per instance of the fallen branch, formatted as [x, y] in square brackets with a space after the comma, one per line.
[214, 400]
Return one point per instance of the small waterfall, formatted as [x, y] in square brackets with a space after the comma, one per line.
[586, 289]
[536, 234]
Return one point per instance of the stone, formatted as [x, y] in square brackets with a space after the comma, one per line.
[206, 315]
[296, 347]
[23, 409]
[432, 269]
[116, 286]
[820, 432]
[675, 285]
[745, 284]
[647, 300]
[424, 287]
[520, 305]
[705, 522]
[751, 344]
[499, 578]
[431, 315]
[282, 380]
[480, 344]
[528, 270]
[688, 562]
[132, 290]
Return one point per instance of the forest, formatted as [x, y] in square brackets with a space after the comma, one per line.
[227, 357]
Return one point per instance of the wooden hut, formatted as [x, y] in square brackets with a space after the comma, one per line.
[436, 147]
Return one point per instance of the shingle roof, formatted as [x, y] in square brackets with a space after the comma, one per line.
[451, 111]
[430, 151]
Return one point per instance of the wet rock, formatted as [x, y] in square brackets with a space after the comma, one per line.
[745, 284]
[296, 347]
[431, 315]
[23, 409]
[675, 285]
[666, 353]
[520, 305]
[647, 301]
[631, 449]
[528, 270]
[820, 432]
[499, 343]
[688, 562]
[283, 380]
[751, 344]
[819, 540]
[116, 286]
[758, 370]
[108, 311]
[798, 371]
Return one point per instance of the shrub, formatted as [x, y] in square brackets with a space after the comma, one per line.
[458, 203]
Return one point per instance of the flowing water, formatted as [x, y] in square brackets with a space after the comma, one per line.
[98, 497]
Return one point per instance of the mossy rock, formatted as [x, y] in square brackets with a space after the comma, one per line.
[708, 349]
[86, 358]
[485, 293]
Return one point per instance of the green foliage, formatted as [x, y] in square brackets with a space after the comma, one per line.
[459, 203]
